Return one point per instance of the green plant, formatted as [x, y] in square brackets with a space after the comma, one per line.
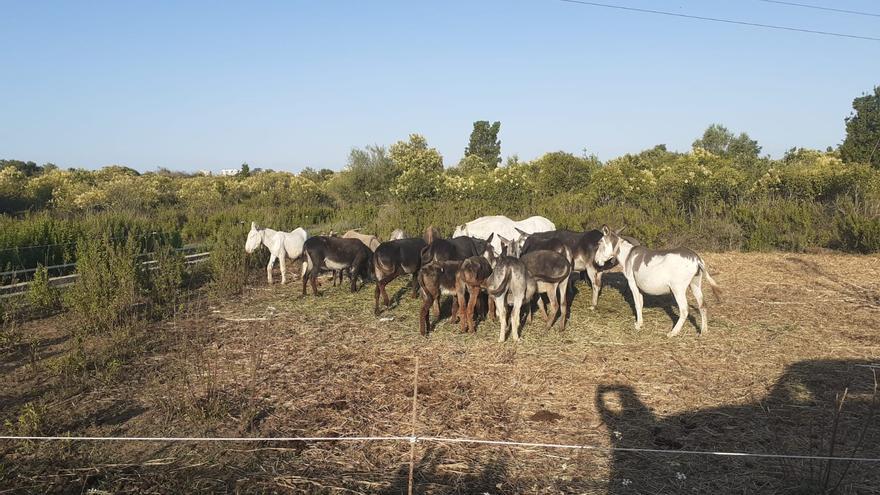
[44, 298]
[108, 286]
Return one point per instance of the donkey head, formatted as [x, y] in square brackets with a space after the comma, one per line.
[254, 238]
[488, 251]
[521, 240]
[509, 247]
[609, 245]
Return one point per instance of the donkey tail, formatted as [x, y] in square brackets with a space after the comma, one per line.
[502, 287]
[716, 289]
[308, 265]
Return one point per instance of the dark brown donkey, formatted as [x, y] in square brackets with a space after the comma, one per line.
[437, 279]
[393, 259]
[470, 281]
[335, 253]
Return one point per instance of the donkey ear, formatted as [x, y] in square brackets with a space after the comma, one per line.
[605, 230]
[253, 225]
[522, 233]
[489, 239]
[429, 235]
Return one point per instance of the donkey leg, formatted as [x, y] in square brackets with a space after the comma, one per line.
[563, 303]
[491, 310]
[501, 312]
[542, 307]
[474, 295]
[455, 316]
[554, 306]
[415, 284]
[314, 279]
[697, 289]
[681, 299]
[425, 313]
[514, 320]
[463, 307]
[269, 268]
[376, 293]
[594, 288]
[637, 302]
[283, 264]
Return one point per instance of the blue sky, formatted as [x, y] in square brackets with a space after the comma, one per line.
[284, 85]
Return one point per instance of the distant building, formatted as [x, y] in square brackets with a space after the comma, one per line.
[226, 172]
[205, 172]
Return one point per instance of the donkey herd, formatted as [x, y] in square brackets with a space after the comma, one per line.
[515, 263]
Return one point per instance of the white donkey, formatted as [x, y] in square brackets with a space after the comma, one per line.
[500, 225]
[282, 245]
[658, 272]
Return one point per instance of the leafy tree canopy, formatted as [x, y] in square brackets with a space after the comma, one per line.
[718, 140]
[484, 145]
[863, 131]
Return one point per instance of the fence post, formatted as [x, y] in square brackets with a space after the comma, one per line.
[412, 439]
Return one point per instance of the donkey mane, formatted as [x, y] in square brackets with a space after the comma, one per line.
[630, 240]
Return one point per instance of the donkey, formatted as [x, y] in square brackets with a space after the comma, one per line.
[370, 241]
[437, 279]
[509, 284]
[458, 248]
[392, 259]
[582, 246]
[335, 253]
[658, 272]
[551, 270]
[469, 281]
[282, 245]
[501, 225]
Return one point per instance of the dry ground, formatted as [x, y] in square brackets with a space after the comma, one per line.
[792, 333]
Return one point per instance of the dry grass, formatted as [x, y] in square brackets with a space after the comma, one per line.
[779, 351]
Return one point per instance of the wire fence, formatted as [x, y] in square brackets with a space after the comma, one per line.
[413, 440]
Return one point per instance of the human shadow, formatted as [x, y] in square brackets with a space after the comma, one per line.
[799, 416]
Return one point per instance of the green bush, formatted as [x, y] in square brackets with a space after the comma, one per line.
[229, 262]
[42, 296]
[108, 287]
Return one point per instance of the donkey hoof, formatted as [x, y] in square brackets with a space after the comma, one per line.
[671, 334]
[637, 326]
[592, 308]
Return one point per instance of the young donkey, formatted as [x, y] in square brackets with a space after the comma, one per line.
[658, 272]
[469, 281]
[334, 253]
[282, 245]
[437, 279]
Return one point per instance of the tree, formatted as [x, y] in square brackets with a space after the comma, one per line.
[415, 154]
[484, 143]
[718, 140]
[421, 169]
[245, 170]
[863, 131]
[366, 177]
[560, 171]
